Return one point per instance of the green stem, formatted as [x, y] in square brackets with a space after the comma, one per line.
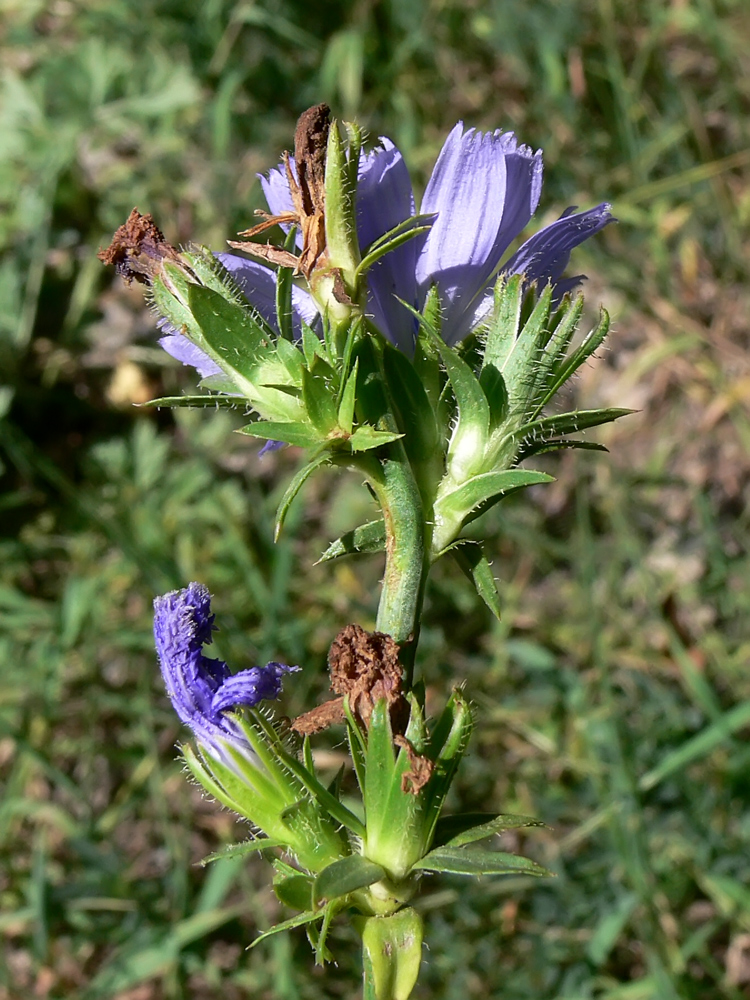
[402, 592]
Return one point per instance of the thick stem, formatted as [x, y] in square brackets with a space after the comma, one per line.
[405, 553]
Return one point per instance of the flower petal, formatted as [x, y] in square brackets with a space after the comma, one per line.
[276, 189]
[545, 255]
[258, 285]
[184, 350]
[249, 687]
[385, 199]
[484, 189]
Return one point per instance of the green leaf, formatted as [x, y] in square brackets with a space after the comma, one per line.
[286, 925]
[366, 438]
[394, 238]
[295, 891]
[568, 320]
[292, 359]
[231, 335]
[466, 828]
[494, 388]
[414, 413]
[556, 444]
[312, 345]
[368, 537]
[485, 489]
[521, 367]
[503, 330]
[471, 402]
[345, 418]
[379, 769]
[345, 876]
[239, 850]
[319, 402]
[567, 367]
[472, 560]
[463, 861]
[324, 798]
[547, 428]
[289, 433]
[205, 401]
[298, 481]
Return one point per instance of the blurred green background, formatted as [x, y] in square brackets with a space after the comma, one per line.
[613, 701]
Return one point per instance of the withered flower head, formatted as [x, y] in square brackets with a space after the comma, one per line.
[306, 179]
[364, 668]
[137, 249]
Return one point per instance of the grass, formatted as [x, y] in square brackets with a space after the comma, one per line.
[613, 699]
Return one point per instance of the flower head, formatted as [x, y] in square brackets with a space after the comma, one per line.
[483, 191]
[201, 689]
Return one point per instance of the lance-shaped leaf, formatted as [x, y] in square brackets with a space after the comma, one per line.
[530, 447]
[468, 441]
[460, 506]
[567, 366]
[414, 412]
[309, 917]
[472, 861]
[345, 876]
[319, 401]
[301, 435]
[521, 367]
[472, 560]
[394, 238]
[467, 828]
[229, 333]
[242, 849]
[365, 438]
[547, 428]
[494, 388]
[292, 359]
[298, 481]
[348, 400]
[554, 353]
[502, 332]
[206, 401]
[368, 537]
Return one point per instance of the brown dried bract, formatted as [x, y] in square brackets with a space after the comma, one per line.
[319, 718]
[364, 667]
[307, 189]
[414, 780]
[137, 249]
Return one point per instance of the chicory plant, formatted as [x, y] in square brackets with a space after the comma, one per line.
[413, 348]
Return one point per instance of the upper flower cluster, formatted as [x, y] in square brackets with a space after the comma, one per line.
[483, 192]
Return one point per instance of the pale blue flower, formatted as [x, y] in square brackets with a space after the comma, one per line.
[483, 191]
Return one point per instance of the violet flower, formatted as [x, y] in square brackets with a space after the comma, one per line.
[484, 189]
[201, 689]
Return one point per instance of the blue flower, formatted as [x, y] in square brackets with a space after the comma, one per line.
[201, 689]
[483, 191]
